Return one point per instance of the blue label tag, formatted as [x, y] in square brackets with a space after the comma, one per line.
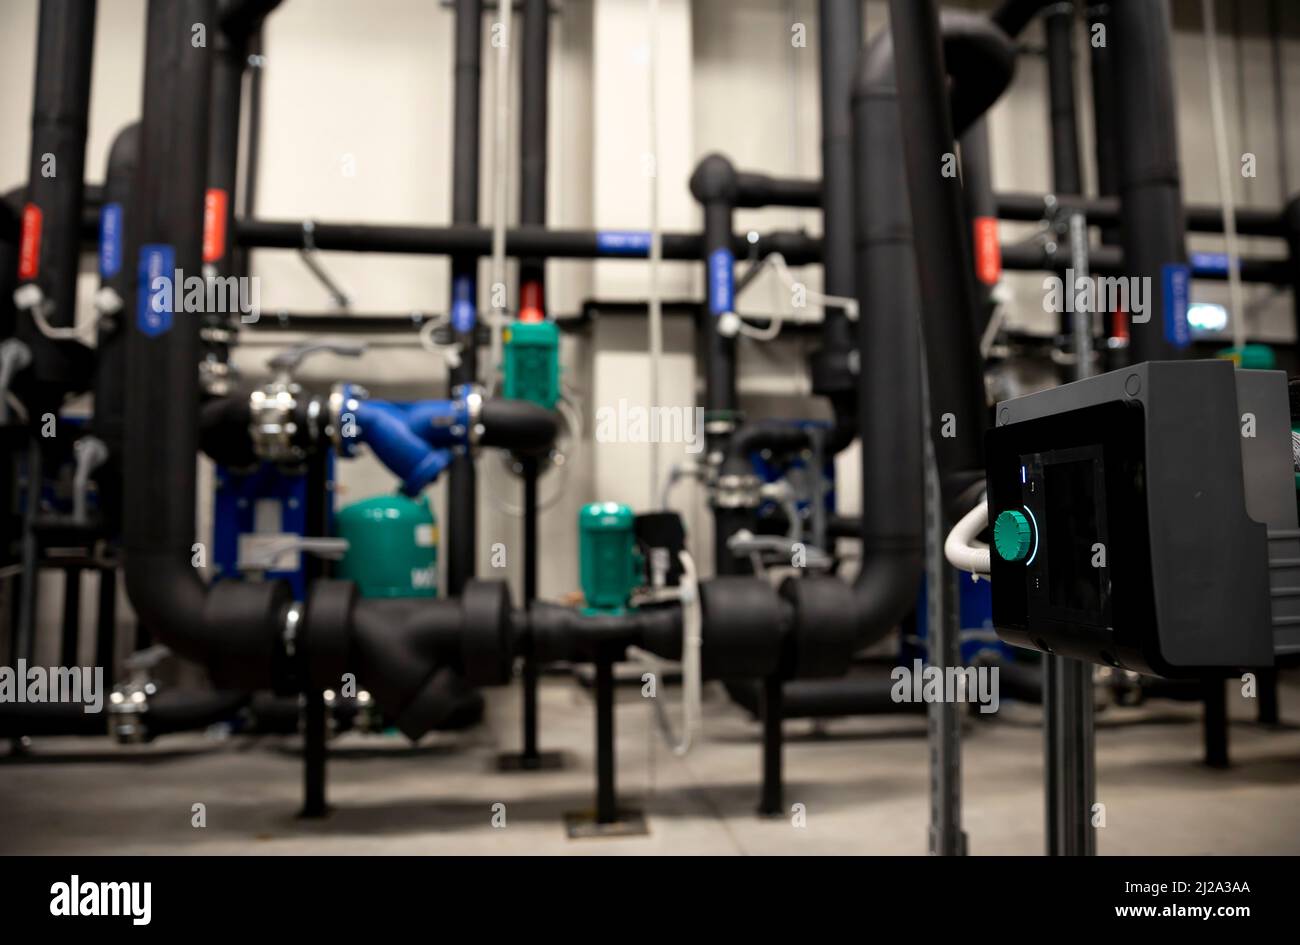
[154, 306]
[110, 240]
[721, 283]
[623, 243]
[1210, 263]
[463, 311]
[1176, 280]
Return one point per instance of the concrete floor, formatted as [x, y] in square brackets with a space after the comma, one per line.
[863, 784]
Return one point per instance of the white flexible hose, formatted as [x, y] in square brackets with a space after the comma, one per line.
[962, 550]
[1220, 125]
[692, 672]
[776, 262]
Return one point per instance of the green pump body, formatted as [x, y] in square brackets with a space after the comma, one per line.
[392, 546]
[532, 362]
[610, 565]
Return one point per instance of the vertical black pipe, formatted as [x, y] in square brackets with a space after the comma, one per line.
[1105, 124]
[533, 139]
[117, 272]
[49, 252]
[771, 801]
[167, 213]
[220, 256]
[982, 214]
[530, 754]
[315, 748]
[714, 186]
[949, 305]
[462, 491]
[606, 794]
[831, 366]
[1151, 198]
[1067, 172]
[253, 144]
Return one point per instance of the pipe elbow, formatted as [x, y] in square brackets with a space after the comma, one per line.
[232, 628]
[714, 180]
[518, 425]
[886, 589]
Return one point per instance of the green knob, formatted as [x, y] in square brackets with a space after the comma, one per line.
[1011, 535]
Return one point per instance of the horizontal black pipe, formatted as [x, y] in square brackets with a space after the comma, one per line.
[1104, 211]
[465, 240]
[1109, 261]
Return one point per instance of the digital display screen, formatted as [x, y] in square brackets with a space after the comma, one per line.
[1070, 498]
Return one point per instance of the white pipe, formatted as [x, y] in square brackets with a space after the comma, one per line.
[656, 242]
[500, 184]
[961, 549]
[1225, 176]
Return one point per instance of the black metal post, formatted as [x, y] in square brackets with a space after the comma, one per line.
[1216, 723]
[606, 796]
[772, 801]
[315, 733]
[530, 754]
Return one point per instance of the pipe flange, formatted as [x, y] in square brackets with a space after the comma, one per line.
[825, 626]
[325, 632]
[272, 425]
[485, 636]
[736, 491]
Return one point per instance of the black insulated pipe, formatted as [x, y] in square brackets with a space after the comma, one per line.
[1152, 218]
[949, 303]
[462, 488]
[889, 351]
[110, 361]
[233, 629]
[832, 367]
[50, 249]
[534, 76]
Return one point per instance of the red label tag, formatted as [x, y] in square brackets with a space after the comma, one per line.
[214, 224]
[29, 244]
[988, 251]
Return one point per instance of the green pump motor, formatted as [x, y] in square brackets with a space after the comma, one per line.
[392, 546]
[610, 565]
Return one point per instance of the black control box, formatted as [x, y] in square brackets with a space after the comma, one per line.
[1146, 519]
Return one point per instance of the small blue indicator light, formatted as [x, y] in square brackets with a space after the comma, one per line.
[1024, 476]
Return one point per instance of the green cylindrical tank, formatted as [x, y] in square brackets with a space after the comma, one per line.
[608, 560]
[392, 546]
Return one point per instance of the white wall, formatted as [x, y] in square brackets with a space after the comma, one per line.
[369, 85]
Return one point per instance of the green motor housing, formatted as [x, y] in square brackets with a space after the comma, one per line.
[532, 362]
[609, 563]
[392, 546]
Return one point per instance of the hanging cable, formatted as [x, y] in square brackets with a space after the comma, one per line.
[1226, 197]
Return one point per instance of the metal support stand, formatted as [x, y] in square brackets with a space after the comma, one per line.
[608, 819]
[1267, 697]
[1216, 723]
[1069, 756]
[772, 801]
[315, 722]
[1069, 735]
[943, 620]
[530, 758]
